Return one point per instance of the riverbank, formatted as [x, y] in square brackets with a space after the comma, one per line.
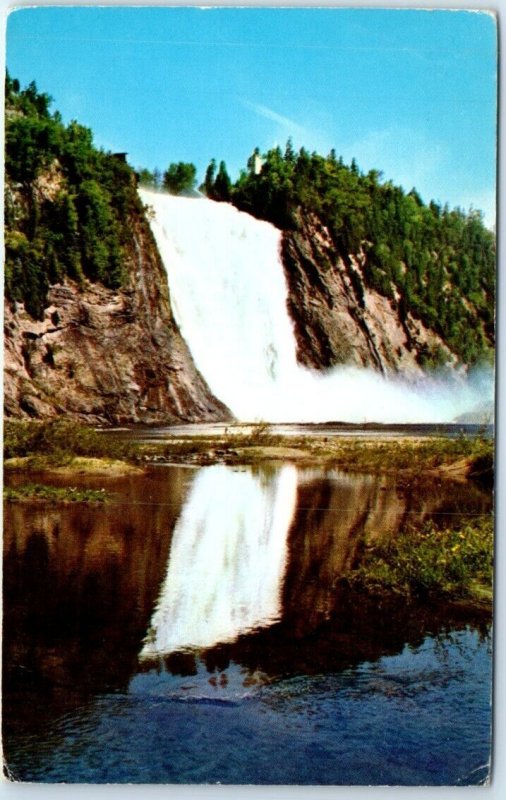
[430, 563]
[414, 457]
[415, 565]
[66, 445]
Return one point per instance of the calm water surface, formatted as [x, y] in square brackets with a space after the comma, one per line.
[194, 630]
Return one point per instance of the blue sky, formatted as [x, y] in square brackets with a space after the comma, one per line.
[412, 93]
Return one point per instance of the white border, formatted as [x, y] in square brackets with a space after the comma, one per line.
[497, 789]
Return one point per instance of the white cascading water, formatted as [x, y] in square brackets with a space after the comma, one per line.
[229, 297]
[227, 560]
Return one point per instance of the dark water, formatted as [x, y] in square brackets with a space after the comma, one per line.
[193, 631]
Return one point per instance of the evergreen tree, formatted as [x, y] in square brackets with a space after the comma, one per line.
[180, 177]
[209, 179]
[222, 187]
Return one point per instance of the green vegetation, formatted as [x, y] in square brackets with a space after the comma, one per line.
[67, 204]
[416, 459]
[414, 456]
[54, 494]
[435, 263]
[152, 180]
[60, 440]
[180, 178]
[217, 187]
[431, 563]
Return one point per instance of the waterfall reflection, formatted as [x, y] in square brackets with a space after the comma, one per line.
[227, 559]
[256, 561]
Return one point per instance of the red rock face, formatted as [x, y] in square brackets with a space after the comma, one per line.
[337, 319]
[106, 356]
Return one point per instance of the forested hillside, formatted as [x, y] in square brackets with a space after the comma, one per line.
[436, 264]
[67, 204]
[88, 326]
[375, 276]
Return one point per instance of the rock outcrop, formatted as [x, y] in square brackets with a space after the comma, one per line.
[106, 356]
[339, 320]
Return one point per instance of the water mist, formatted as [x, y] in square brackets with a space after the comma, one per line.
[229, 297]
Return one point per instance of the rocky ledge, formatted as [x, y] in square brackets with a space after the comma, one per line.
[339, 320]
[105, 356]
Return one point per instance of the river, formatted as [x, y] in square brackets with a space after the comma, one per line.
[192, 630]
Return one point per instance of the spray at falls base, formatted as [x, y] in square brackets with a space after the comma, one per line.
[229, 297]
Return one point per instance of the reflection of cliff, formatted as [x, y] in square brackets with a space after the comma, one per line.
[332, 517]
[321, 627]
[80, 582]
[336, 515]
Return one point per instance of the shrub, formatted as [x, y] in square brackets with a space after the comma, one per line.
[431, 561]
[60, 439]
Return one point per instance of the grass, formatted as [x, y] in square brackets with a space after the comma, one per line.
[417, 458]
[423, 563]
[59, 442]
[431, 563]
[54, 494]
[410, 455]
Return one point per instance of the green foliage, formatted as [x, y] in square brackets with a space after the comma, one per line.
[417, 458]
[152, 180]
[78, 228]
[31, 143]
[25, 276]
[442, 263]
[452, 562]
[180, 177]
[54, 494]
[208, 184]
[59, 439]
[219, 187]
[99, 235]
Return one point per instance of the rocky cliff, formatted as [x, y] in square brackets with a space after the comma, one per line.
[105, 355]
[339, 320]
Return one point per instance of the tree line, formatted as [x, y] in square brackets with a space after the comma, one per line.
[181, 178]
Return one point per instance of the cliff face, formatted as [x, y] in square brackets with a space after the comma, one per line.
[339, 320]
[106, 356]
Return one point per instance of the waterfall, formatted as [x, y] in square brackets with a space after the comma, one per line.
[227, 559]
[229, 297]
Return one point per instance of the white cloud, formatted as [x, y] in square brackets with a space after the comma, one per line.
[268, 113]
[308, 136]
[285, 126]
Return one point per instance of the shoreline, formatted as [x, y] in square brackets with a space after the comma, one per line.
[62, 449]
[413, 458]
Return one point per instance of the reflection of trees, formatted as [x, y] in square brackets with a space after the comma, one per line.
[79, 584]
[335, 517]
[324, 626]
